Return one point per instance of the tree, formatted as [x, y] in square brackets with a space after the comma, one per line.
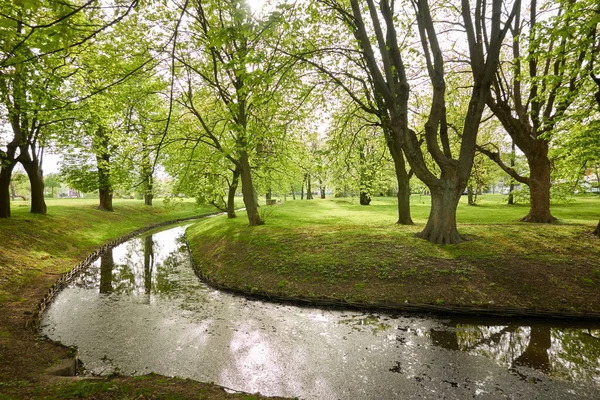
[331, 50]
[390, 85]
[52, 181]
[536, 85]
[232, 73]
[37, 41]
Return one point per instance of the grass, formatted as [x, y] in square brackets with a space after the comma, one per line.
[338, 249]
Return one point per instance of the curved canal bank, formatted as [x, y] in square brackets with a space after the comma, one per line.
[139, 308]
[35, 251]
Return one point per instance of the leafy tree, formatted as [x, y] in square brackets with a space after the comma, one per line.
[52, 181]
[536, 85]
[383, 56]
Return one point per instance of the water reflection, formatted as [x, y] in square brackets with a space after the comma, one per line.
[140, 308]
[561, 352]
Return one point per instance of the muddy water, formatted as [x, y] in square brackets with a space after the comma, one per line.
[141, 309]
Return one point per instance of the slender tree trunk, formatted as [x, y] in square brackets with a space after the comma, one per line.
[511, 189]
[309, 195]
[13, 194]
[148, 190]
[597, 230]
[105, 189]
[441, 225]
[322, 186]
[34, 172]
[231, 193]
[539, 185]
[365, 199]
[248, 191]
[403, 179]
[302, 188]
[269, 194]
[5, 185]
[148, 263]
[293, 192]
[470, 200]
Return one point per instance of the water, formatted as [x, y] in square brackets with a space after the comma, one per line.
[141, 309]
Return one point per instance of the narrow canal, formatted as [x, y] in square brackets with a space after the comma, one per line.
[140, 308]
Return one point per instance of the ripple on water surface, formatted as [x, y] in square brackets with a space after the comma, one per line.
[140, 308]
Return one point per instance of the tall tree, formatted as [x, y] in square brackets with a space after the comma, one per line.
[536, 85]
[230, 60]
[382, 54]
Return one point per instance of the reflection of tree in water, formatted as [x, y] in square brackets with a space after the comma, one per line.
[148, 263]
[562, 352]
[107, 264]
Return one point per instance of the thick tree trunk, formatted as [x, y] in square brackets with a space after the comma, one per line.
[293, 192]
[5, 175]
[365, 199]
[231, 193]
[269, 194]
[34, 172]
[148, 199]
[309, 195]
[248, 191]
[148, 190]
[539, 185]
[403, 179]
[322, 186]
[441, 225]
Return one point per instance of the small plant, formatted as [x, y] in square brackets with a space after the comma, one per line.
[282, 284]
[587, 281]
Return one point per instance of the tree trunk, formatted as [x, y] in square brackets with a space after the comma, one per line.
[248, 191]
[148, 199]
[403, 179]
[322, 189]
[441, 225]
[309, 195]
[293, 192]
[470, 200]
[511, 189]
[103, 162]
[231, 193]
[539, 185]
[365, 199]
[34, 172]
[13, 194]
[5, 184]
[597, 230]
[302, 188]
[269, 194]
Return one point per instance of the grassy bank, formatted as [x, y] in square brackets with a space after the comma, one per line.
[34, 251]
[337, 249]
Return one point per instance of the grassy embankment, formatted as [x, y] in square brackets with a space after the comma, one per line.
[34, 251]
[339, 250]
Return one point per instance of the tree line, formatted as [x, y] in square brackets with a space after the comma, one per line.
[225, 98]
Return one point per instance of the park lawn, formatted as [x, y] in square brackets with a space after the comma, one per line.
[336, 250]
[34, 251]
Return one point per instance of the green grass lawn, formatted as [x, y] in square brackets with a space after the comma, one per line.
[338, 249]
